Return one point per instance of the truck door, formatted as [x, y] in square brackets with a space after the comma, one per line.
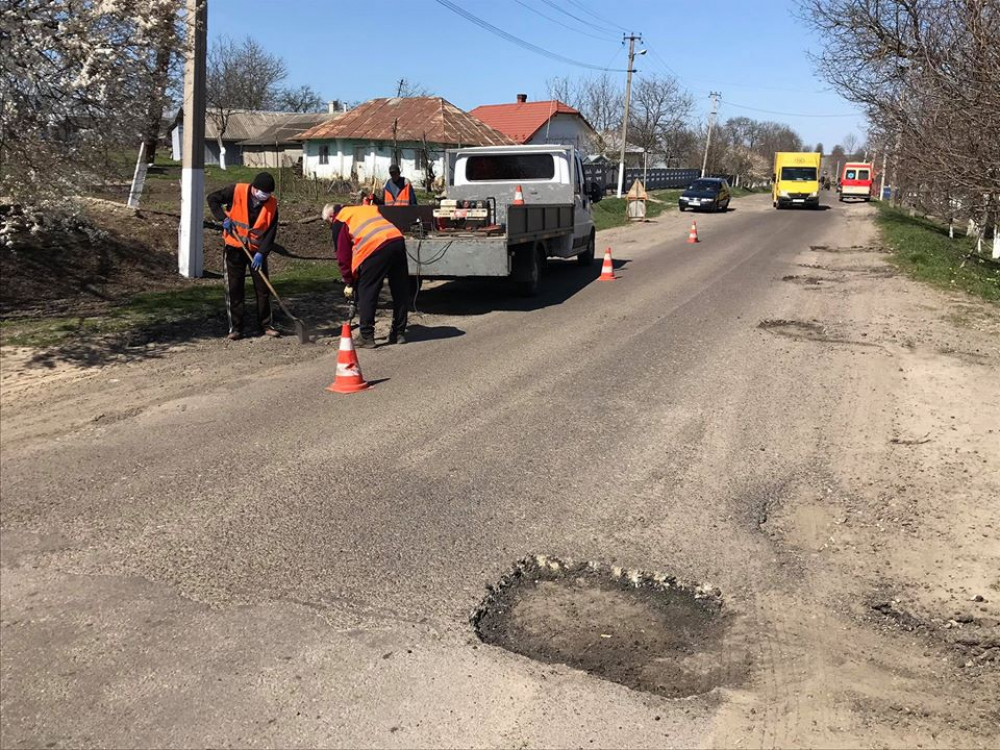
[582, 220]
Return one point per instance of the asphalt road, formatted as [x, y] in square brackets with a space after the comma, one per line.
[270, 564]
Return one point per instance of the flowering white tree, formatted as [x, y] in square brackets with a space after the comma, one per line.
[80, 83]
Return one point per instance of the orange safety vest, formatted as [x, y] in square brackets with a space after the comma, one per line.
[368, 230]
[403, 199]
[239, 212]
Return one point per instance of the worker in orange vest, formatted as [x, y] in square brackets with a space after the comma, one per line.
[398, 191]
[252, 215]
[369, 250]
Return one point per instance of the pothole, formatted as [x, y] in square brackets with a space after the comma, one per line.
[809, 280]
[851, 249]
[642, 630]
[796, 329]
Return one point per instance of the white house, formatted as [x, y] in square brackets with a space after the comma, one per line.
[542, 123]
[412, 132]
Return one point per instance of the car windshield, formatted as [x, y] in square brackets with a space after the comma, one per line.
[704, 186]
[799, 174]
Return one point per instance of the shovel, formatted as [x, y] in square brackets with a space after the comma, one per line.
[300, 327]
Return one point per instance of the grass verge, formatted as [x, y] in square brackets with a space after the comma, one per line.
[922, 249]
[193, 304]
[610, 212]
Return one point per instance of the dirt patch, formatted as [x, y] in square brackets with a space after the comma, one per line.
[808, 331]
[849, 249]
[641, 630]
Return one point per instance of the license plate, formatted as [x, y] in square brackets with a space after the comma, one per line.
[798, 200]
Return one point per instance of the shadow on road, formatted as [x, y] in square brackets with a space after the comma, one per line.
[560, 281]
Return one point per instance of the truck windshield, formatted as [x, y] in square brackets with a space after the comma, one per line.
[509, 167]
[799, 174]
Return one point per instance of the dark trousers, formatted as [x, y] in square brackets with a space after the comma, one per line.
[235, 271]
[388, 261]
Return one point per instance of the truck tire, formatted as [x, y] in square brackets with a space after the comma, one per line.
[586, 258]
[529, 260]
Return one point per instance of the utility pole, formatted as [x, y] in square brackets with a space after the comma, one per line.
[190, 245]
[632, 38]
[711, 124]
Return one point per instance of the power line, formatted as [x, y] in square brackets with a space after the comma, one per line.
[600, 18]
[785, 114]
[565, 12]
[681, 78]
[560, 23]
[517, 40]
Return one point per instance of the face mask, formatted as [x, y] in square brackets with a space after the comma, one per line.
[260, 195]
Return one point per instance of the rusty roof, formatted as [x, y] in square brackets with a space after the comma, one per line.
[415, 118]
[289, 128]
[521, 120]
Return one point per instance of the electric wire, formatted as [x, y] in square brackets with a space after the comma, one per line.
[784, 114]
[565, 12]
[560, 23]
[487, 26]
[600, 18]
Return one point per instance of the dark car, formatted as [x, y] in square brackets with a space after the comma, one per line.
[710, 193]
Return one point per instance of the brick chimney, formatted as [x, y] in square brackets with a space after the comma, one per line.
[522, 98]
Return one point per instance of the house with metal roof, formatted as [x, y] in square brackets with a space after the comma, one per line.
[410, 131]
[279, 144]
[544, 122]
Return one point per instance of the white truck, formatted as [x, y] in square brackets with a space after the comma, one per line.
[477, 229]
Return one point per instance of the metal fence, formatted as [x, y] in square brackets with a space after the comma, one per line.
[606, 175]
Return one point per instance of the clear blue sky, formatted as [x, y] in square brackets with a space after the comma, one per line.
[753, 51]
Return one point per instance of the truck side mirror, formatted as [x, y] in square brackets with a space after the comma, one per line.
[596, 192]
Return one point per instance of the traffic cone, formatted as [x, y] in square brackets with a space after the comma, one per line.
[349, 379]
[693, 235]
[608, 268]
[518, 197]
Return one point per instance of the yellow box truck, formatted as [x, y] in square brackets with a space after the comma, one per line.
[795, 179]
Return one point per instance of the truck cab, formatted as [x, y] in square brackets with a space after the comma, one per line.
[795, 180]
[856, 181]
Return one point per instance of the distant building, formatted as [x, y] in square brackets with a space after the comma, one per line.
[544, 122]
[280, 145]
[246, 130]
[411, 131]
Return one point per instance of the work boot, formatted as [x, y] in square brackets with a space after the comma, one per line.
[234, 336]
[365, 342]
[396, 338]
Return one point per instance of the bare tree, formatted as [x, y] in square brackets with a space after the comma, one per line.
[239, 75]
[928, 74]
[850, 144]
[302, 99]
[408, 88]
[659, 109]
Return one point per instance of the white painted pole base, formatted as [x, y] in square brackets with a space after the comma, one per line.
[190, 245]
[996, 242]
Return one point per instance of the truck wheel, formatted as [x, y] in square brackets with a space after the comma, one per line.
[527, 272]
[586, 258]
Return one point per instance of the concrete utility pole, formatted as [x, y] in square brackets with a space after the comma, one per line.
[632, 38]
[711, 124]
[190, 250]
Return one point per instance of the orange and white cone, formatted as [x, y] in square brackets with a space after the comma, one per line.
[518, 197]
[608, 268]
[349, 379]
[693, 234]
